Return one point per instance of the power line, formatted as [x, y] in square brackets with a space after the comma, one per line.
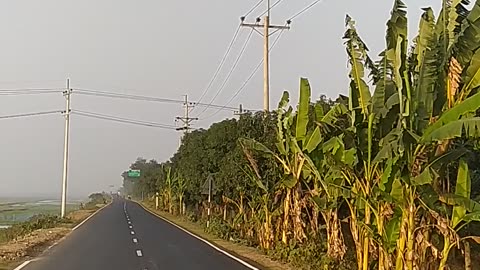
[28, 93]
[274, 5]
[31, 82]
[29, 114]
[230, 46]
[122, 120]
[253, 8]
[249, 78]
[220, 66]
[30, 89]
[90, 92]
[235, 64]
[305, 9]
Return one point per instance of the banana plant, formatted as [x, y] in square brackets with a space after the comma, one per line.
[415, 111]
[292, 142]
[180, 188]
[264, 209]
[168, 190]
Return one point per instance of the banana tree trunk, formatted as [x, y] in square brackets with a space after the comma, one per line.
[336, 248]
[445, 252]
[401, 242]
[354, 229]
[170, 205]
[468, 258]
[314, 222]
[286, 216]
[267, 229]
[180, 204]
[410, 239]
[298, 225]
[382, 254]
[366, 240]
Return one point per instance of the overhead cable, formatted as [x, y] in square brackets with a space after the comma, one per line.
[19, 93]
[248, 79]
[305, 9]
[235, 64]
[12, 90]
[253, 8]
[106, 94]
[122, 120]
[222, 63]
[30, 114]
[274, 5]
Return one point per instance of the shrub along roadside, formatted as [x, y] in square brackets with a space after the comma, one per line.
[33, 224]
[49, 221]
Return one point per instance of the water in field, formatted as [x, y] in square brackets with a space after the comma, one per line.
[14, 210]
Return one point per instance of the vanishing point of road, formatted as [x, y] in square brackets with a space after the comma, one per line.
[124, 236]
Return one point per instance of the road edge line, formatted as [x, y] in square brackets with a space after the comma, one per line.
[21, 266]
[89, 217]
[200, 238]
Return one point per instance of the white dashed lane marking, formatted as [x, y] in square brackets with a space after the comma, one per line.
[130, 227]
[139, 253]
[132, 232]
[135, 240]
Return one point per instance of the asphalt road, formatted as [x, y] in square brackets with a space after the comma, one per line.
[123, 236]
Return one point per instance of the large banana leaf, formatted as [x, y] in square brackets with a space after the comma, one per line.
[463, 189]
[468, 106]
[467, 41]
[425, 64]
[424, 178]
[454, 200]
[254, 145]
[384, 86]
[470, 127]
[396, 52]
[457, 12]
[392, 233]
[313, 141]
[334, 113]
[280, 112]
[467, 51]
[359, 92]
[303, 109]
[472, 75]
[318, 111]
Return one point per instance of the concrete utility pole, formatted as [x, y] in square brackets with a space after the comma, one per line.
[67, 95]
[266, 51]
[186, 119]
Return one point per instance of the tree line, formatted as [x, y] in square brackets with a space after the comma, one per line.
[386, 178]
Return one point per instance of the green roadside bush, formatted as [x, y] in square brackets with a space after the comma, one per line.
[34, 223]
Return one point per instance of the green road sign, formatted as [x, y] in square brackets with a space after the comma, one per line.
[134, 173]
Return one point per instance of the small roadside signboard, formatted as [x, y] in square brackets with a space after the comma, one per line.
[134, 173]
[209, 185]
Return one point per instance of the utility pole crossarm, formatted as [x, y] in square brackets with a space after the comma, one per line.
[281, 27]
[186, 120]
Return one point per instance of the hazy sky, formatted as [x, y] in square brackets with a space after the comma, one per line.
[156, 48]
